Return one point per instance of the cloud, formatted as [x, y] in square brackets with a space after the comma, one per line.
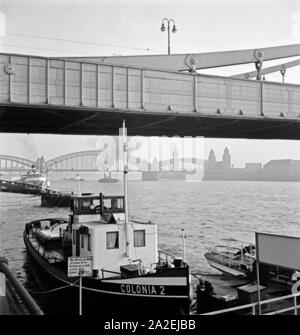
[296, 25]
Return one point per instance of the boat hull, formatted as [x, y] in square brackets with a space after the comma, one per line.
[143, 295]
[225, 269]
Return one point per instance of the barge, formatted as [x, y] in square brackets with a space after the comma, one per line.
[129, 275]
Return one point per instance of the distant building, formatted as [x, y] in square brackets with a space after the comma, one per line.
[226, 159]
[211, 159]
[282, 165]
[213, 164]
[282, 169]
[253, 166]
[274, 170]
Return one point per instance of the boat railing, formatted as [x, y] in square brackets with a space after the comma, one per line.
[257, 307]
[17, 290]
[231, 259]
[103, 272]
[164, 257]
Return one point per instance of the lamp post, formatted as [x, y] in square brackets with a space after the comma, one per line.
[163, 28]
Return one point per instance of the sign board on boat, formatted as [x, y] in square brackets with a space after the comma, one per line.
[80, 266]
[278, 250]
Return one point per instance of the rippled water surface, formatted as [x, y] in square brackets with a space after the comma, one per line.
[208, 212]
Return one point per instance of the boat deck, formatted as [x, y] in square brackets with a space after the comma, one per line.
[52, 256]
[224, 285]
[225, 289]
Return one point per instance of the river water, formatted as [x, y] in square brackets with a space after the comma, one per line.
[208, 211]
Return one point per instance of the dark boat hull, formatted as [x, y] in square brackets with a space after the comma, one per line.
[106, 298]
[108, 180]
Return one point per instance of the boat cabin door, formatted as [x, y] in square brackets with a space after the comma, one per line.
[77, 242]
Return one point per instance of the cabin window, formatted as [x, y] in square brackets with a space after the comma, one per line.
[112, 240]
[86, 203]
[82, 240]
[139, 238]
[89, 242]
[114, 204]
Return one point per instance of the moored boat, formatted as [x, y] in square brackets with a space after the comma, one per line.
[130, 276]
[107, 178]
[33, 177]
[235, 258]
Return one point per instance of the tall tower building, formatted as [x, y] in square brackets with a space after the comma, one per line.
[226, 159]
[211, 159]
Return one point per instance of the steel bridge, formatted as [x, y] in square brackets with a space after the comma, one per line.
[86, 161]
[156, 95]
[75, 161]
[14, 163]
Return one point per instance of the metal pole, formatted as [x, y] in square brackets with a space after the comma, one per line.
[125, 186]
[257, 274]
[80, 295]
[169, 49]
[183, 242]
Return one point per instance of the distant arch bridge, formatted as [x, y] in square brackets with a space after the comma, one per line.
[78, 162]
[15, 163]
[75, 161]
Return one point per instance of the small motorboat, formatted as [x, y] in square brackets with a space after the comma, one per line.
[235, 257]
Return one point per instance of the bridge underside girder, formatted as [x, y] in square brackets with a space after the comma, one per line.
[75, 121]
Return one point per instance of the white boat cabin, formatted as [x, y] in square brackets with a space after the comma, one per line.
[97, 228]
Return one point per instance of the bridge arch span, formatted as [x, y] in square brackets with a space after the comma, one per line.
[77, 161]
[9, 162]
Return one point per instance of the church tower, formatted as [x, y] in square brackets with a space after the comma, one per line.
[211, 159]
[226, 159]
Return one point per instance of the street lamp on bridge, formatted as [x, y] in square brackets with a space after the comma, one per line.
[163, 28]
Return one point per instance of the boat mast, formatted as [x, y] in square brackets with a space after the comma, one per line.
[125, 168]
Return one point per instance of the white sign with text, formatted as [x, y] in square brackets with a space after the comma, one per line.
[80, 266]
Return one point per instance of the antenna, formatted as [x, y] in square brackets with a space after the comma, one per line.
[125, 168]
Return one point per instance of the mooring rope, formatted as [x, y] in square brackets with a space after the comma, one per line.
[55, 289]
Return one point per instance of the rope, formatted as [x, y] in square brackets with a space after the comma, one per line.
[55, 289]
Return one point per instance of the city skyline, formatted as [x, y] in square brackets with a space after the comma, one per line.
[242, 151]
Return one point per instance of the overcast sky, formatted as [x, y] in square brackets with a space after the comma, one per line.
[100, 27]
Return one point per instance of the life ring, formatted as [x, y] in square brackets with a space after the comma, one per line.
[295, 287]
[98, 210]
